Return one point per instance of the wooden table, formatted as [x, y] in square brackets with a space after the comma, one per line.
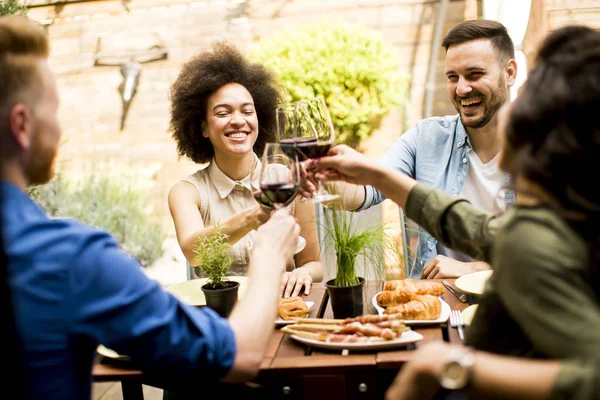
[293, 370]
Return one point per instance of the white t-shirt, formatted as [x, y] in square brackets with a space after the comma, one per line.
[482, 187]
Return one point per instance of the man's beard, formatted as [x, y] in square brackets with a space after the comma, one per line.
[41, 164]
[499, 97]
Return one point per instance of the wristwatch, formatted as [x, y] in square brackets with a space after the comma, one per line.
[456, 371]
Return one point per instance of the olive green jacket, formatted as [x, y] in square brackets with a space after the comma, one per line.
[543, 300]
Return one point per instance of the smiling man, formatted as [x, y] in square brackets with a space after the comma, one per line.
[459, 153]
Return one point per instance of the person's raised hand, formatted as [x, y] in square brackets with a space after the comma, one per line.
[342, 163]
[277, 237]
[308, 186]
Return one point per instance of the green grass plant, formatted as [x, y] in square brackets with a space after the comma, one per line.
[351, 242]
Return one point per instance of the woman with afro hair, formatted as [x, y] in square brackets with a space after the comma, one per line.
[223, 113]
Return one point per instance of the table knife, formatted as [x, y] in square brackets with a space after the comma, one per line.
[461, 296]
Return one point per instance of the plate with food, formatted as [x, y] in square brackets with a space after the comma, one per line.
[292, 308]
[422, 310]
[417, 301]
[367, 332]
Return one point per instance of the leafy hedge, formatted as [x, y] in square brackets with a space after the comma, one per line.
[108, 202]
[348, 65]
[12, 7]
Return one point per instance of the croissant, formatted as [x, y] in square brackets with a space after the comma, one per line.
[405, 285]
[424, 307]
[393, 297]
[292, 307]
[416, 287]
[429, 287]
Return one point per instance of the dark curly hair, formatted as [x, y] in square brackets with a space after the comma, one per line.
[553, 133]
[202, 76]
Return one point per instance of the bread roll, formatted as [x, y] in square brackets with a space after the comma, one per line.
[292, 307]
[429, 287]
[425, 307]
[394, 297]
[404, 285]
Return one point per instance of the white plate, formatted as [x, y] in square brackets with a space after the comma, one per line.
[473, 283]
[282, 322]
[406, 338]
[106, 352]
[444, 314]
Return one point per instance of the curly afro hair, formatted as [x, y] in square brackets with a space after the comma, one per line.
[202, 76]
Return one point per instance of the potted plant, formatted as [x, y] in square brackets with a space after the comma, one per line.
[213, 259]
[350, 242]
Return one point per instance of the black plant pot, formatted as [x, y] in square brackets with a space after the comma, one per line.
[222, 300]
[346, 301]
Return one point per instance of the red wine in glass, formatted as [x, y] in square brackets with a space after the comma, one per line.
[298, 144]
[314, 149]
[263, 200]
[278, 195]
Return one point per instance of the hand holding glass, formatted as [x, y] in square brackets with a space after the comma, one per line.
[279, 176]
[314, 120]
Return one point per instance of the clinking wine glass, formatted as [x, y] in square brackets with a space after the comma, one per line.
[315, 136]
[279, 176]
[294, 127]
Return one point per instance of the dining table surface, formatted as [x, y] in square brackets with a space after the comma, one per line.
[294, 370]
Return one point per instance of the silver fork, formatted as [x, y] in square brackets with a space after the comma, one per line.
[456, 321]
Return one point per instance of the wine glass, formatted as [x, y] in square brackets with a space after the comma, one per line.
[295, 127]
[279, 176]
[314, 118]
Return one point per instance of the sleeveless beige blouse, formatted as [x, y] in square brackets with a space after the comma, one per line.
[221, 197]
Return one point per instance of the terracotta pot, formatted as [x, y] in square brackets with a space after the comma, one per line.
[222, 300]
[346, 301]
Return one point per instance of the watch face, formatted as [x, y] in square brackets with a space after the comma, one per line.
[454, 376]
[456, 373]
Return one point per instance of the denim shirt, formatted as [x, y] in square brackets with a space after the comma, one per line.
[433, 152]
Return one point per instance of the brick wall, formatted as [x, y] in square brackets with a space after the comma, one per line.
[91, 107]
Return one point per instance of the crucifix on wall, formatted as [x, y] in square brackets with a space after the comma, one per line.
[129, 54]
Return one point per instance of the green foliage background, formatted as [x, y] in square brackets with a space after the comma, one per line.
[110, 202]
[12, 7]
[348, 65]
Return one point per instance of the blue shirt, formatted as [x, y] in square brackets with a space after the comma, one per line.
[433, 152]
[73, 288]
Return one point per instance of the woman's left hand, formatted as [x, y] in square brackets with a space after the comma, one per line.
[292, 282]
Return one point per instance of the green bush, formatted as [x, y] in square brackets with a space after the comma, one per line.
[12, 7]
[348, 65]
[108, 202]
